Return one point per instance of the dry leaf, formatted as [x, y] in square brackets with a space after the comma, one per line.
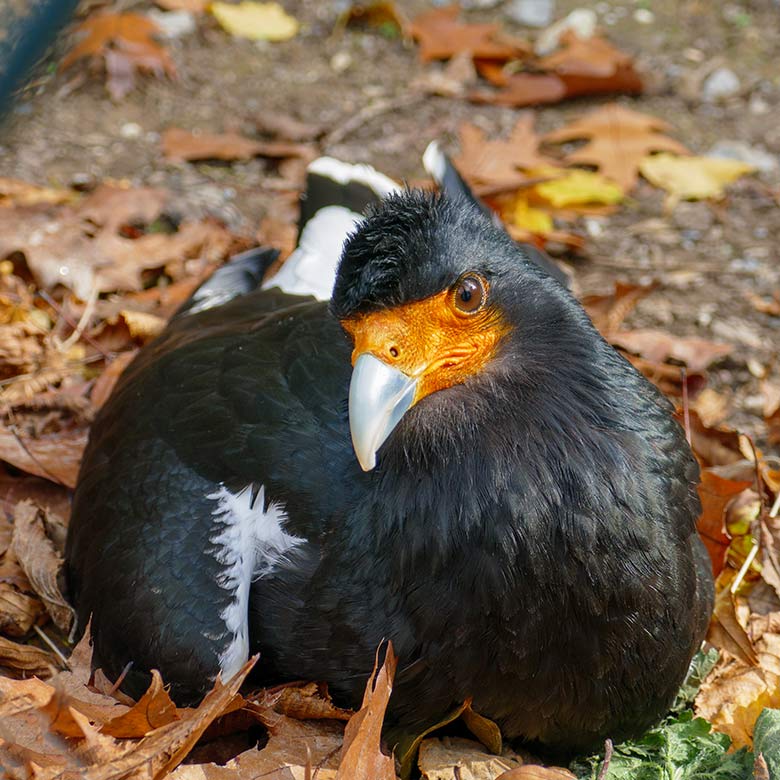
[657, 346]
[441, 36]
[771, 307]
[609, 311]
[585, 57]
[361, 756]
[711, 406]
[499, 162]
[439, 758]
[52, 456]
[193, 6]
[691, 178]
[256, 21]
[526, 217]
[618, 140]
[18, 611]
[716, 493]
[534, 772]
[25, 660]
[42, 563]
[524, 89]
[126, 44]
[14, 192]
[379, 13]
[152, 711]
[178, 145]
[575, 188]
[106, 381]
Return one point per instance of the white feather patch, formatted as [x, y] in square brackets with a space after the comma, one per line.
[434, 162]
[343, 173]
[311, 268]
[249, 544]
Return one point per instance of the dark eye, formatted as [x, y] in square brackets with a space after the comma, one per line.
[470, 294]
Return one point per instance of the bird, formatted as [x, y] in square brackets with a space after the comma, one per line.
[433, 446]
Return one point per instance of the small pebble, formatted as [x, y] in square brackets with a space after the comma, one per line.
[722, 83]
[173, 24]
[130, 130]
[644, 16]
[340, 61]
[532, 13]
[752, 155]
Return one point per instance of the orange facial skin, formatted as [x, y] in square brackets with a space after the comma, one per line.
[431, 340]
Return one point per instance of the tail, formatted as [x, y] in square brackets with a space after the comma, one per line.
[446, 175]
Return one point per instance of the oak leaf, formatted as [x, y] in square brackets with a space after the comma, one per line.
[657, 346]
[441, 36]
[618, 139]
[500, 162]
[178, 144]
[125, 43]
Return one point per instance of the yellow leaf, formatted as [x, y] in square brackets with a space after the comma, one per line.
[691, 178]
[257, 21]
[529, 218]
[576, 188]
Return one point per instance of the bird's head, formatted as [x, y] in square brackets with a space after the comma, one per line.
[433, 296]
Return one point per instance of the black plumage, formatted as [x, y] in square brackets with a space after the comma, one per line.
[526, 539]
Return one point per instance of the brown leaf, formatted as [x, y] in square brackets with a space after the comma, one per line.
[152, 711]
[193, 6]
[609, 311]
[524, 89]
[361, 756]
[439, 759]
[734, 694]
[18, 611]
[309, 701]
[14, 489]
[499, 162]
[585, 57]
[618, 138]
[727, 633]
[716, 493]
[771, 306]
[714, 446]
[450, 81]
[106, 381]
[484, 729]
[41, 562]
[657, 347]
[125, 43]
[180, 145]
[533, 772]
[55, 457]
[711, 406]
[26, 659]
[441, 36]
[288, 127]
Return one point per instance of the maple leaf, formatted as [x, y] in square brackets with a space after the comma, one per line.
[442, 36]
[499, 162]
[618, 140]
[126, 44]
[691, 178]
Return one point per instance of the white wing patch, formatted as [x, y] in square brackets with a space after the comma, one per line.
[250, 542]
[311, 268]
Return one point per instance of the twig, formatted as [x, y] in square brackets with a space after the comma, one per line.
[121, 678]
[686, 409]
[369, 112]
[61, 313]
[56, 650]
[86, 316]
[745, 566]
[775, 510]
[607, 759]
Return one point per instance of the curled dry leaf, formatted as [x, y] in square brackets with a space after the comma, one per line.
[106, 381]
[19, 612]
[178, 145]
[361, 755]
[25, 660]
[533, 772]
[41, 561]
[618, 139]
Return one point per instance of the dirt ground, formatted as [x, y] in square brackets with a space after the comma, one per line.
[708, 258]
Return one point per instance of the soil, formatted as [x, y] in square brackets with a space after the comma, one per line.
[707, 257]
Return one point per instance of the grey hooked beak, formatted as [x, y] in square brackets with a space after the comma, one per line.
[379, 395]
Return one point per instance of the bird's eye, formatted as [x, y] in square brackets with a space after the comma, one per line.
[470, 294]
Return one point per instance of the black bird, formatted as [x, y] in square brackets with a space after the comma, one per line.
[519, 518]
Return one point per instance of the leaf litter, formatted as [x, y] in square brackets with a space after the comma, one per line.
[69, 335]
